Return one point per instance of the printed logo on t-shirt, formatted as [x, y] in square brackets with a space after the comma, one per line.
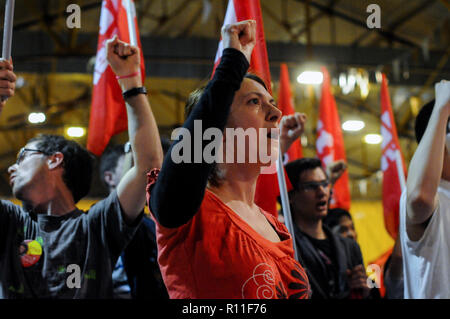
[30, 251]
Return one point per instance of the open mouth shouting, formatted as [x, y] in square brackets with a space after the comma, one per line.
[322, 205]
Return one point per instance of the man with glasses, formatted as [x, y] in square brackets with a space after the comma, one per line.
[334, 264]
[64, 252]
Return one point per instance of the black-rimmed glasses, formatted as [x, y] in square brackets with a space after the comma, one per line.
[313, 186]
[23, 150]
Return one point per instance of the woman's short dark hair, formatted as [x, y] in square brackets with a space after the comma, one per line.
[77, 162]
[193, 99]
[194, 96]
[254, 77]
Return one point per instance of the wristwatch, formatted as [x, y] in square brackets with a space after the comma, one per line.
[134, 91]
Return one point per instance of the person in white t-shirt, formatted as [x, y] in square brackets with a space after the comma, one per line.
[425, 204]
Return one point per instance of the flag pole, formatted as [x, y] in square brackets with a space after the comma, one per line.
[7, 29]
[400, 170]
[7, 32]
[130, 18]
[285, 201]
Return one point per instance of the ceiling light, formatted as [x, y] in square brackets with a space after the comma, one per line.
[342, 80]
[310, 77]
[75, 131]
[36, 117]
[304, 140]
[20, 82]
[378, 76]
[373, 138]
[353, 125]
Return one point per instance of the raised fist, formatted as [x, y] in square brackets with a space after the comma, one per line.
[335, 170]
[240, 36]
[291, 128]
[123, 58]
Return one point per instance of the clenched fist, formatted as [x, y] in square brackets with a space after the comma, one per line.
[124, 60]
[240, 36]
[291, 128]
[335, 170]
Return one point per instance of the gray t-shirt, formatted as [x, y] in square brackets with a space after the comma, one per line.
[77, 251]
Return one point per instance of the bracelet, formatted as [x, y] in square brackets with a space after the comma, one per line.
[133, 92]
[119, 77]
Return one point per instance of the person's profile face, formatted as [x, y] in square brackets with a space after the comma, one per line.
[28, 171]
[113, 177]
[254, 110]
[345, 228]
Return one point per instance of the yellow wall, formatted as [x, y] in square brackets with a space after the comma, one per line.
[373, 238]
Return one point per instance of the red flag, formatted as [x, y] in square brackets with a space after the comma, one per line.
[286, 105]
[330, 143]
[240, 10]
[391, 164]
[108, 114]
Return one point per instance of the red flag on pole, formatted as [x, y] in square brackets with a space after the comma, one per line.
[392, 164]
[330, 143]
[240, 10]
[108, 114]
[286, 105]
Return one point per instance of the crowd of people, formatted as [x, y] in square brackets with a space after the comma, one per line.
[205, 237]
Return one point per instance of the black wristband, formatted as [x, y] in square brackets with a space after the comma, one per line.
[133, 92]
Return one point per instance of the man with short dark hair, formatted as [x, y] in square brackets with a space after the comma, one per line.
[334, 264]
[65, 252]
[425, 204]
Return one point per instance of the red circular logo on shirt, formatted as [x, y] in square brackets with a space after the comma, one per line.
[30, 252]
